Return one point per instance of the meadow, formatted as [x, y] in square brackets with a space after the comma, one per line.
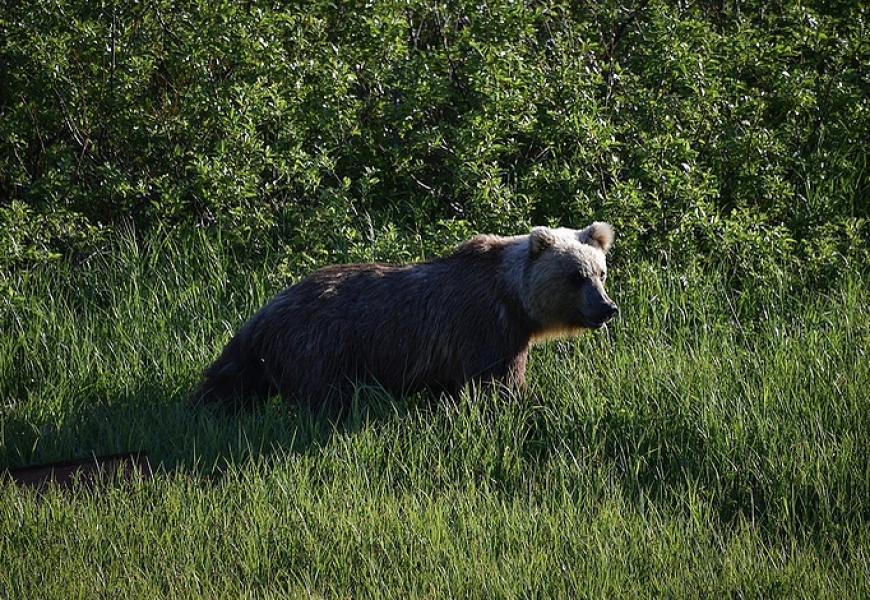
[167, 166]
[710, 442]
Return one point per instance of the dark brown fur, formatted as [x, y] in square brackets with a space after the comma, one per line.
[405, 328]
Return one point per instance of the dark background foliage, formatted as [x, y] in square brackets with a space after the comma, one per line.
[733, 131]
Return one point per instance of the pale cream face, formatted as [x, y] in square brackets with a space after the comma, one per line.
[563, 280]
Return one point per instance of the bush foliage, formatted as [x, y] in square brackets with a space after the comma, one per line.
[729, 130]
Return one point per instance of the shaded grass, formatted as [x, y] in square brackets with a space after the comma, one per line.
[712, 442]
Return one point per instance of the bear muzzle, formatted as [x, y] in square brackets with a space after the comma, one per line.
[601, 314]
[598, 308]
[610, 311]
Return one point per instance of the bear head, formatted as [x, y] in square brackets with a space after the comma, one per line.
[564, 275]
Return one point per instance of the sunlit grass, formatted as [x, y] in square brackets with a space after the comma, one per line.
[710, 443]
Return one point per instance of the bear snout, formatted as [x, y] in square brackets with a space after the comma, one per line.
[602, 313]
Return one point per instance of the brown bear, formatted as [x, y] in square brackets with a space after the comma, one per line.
[436, 325]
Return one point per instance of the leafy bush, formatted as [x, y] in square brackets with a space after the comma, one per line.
[733, 131]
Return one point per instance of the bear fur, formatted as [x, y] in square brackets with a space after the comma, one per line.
[436, 325]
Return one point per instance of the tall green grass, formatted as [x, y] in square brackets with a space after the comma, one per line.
[710, 443]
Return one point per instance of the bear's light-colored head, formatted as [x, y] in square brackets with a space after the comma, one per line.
[562, 273]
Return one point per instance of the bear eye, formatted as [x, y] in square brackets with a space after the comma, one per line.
[603, 276]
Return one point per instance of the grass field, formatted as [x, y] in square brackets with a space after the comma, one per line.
[712, 442]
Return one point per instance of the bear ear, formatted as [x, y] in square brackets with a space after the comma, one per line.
[598, 234]
[540, 239]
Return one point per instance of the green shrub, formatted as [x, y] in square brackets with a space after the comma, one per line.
[733, 131]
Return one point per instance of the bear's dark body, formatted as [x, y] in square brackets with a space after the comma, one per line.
[403, 328]
[433, 326]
